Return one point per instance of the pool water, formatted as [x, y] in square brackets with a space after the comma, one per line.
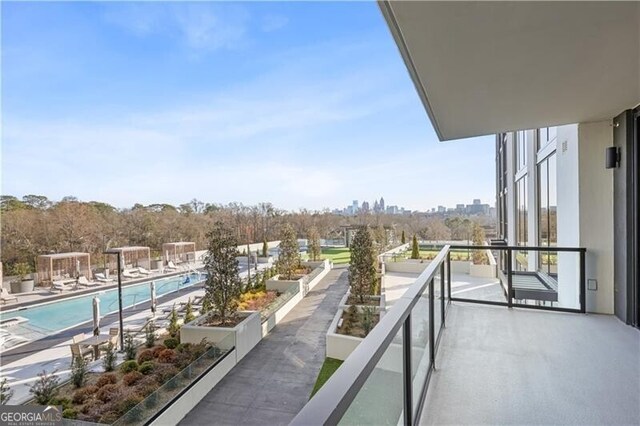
[59, 315]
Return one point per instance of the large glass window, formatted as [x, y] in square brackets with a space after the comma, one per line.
[521, 149]
[546, 135]
[501, 190]
[547, 213]
[523, 229]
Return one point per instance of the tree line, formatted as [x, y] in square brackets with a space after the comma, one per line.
[35, 225]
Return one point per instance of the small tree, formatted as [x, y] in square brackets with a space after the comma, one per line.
[109, 360]
[129, 347]
[265, 248]
[45, 388]
[150, 335]
[288, 257]
[79, 372]
[188, 312]
[415, 249]
[173, 328]
[314, 244]
[479, 256]
[206, 305]
[403, 239]
[381, 238]
[223, 286]
[5, 392]
[362, 270]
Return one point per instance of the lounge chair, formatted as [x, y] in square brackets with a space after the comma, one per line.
[5, 296]
[143, 271]
[83, 281]
[130, 274]
[59, 285]
[172, 266]
[102, 278]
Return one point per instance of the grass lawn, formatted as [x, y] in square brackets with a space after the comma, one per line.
[328, 368]
[337, 255]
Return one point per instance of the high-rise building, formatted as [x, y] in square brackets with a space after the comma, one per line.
[382, 203]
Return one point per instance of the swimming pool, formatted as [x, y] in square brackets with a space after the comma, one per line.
[61, 314]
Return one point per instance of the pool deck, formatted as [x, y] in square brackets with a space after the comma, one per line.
[45, 294]
[20, 365]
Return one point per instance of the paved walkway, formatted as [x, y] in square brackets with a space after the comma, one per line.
[274, 381]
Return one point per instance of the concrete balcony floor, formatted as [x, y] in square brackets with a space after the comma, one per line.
[501, 366]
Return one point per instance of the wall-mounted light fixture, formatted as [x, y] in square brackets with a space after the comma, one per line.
[612, 155]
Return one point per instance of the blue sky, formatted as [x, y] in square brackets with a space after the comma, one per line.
[299, 103]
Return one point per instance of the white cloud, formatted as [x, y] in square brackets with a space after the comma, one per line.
[273, 22]
[200, 26]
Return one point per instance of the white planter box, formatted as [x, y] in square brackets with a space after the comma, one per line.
[484, 271]
[282, 285]
[340, 346]
[246, 335]
[408, 266]
[381, 302]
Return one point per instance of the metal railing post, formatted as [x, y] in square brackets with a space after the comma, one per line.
[509, 278]
[449, 275]
[583, 293]
[432, 334]
[407, 374]
[442, 292]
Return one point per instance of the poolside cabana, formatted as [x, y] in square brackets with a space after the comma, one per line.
[181, 251]
[63, 266]
[132, 257]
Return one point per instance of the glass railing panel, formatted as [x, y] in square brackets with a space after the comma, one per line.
[478, 274]
[420, 348]
[380, 400]
[437, 306]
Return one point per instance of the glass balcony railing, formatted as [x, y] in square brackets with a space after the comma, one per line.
[385, 379]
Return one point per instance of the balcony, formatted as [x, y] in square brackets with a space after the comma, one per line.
[437, 359]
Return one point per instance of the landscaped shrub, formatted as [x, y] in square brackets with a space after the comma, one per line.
[64, 402]
[367, 319]
[188, 313]
[5, 392]
[45, 388]
[158, 350]
[91, 406]
[107, 379]
[173, 328]
[109, 360]
[150, 335]
[164, 372]
[83, 394]
[129, 366]
[79, 372]
[146, 367]
[132, 378]
[109, 417]
[167, 356]
[129, 347]
[70, 413]
[108, 392]
[183, 359]
[129, 402]
[171, 342]
[144, 356]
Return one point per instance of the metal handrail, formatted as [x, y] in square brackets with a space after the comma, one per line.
[334, 398]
